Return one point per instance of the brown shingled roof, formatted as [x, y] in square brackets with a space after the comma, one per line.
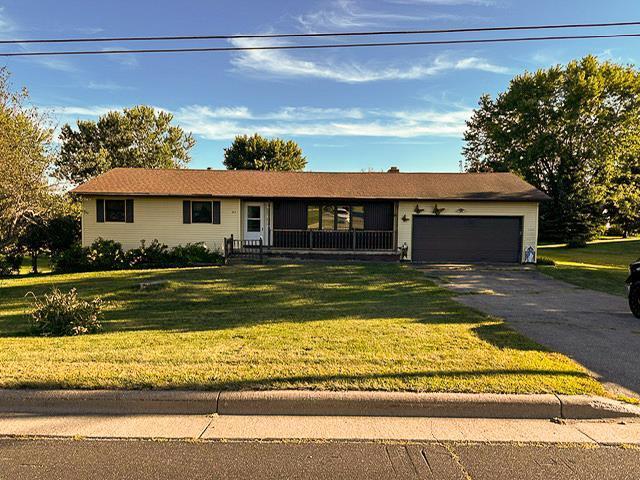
[258, 184]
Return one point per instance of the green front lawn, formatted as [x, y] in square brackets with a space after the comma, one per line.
[314, 326]
[602, 265]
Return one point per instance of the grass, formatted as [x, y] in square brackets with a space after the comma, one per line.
[313, 326]
[601, 266]
[43, 265]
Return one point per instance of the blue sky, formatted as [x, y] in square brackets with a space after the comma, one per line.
[350, 110]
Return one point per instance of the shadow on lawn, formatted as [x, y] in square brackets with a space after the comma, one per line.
[220, 298]
[351, 381]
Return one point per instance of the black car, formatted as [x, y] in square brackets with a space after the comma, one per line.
[633, 288]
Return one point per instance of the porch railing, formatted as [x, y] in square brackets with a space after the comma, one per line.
[246, 248]
[373, 240]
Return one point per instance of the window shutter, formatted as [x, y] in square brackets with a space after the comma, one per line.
[186, 211]
[216, 212]
[128, 211]
[100, 211]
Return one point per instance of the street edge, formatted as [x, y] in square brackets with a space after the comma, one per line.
[314, 403]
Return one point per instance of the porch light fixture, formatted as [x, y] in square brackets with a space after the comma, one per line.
[405, 218]
[418, 210]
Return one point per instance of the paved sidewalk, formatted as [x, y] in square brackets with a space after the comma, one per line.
[243, 427]
[594, 328]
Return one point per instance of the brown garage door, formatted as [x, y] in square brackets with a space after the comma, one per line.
[442, 239]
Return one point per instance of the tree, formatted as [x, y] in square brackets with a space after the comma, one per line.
[135, 137]
[566, 130]
[25, 158]
[623, 207]
[259, 153]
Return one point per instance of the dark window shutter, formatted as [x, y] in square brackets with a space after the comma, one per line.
[186, 211]
[100, 211]
[216, 212]
[128, 211]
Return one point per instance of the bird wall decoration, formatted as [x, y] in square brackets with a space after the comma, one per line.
[418, 210]
[405, 218]
[436, 210]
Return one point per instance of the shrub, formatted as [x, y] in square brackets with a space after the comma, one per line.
[63, 233]
[106, 255]
[74, 259]
[545, 261]
[577, 243]
[154, 255]
[10, 262]
[61, 314]
[193, 253]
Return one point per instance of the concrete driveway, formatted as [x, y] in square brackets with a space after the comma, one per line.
[596, 329]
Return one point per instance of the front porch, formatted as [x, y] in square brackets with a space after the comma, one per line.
[317, 228]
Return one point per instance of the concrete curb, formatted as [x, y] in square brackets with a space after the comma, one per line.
[109, 402]
[313, 403]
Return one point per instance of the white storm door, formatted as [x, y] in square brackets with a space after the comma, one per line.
[253, 221]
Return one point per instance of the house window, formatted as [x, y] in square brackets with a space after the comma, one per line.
[201, 212]
[115, 210]
[357, 217]
[343, 217]
[313, 217]
[328, 217]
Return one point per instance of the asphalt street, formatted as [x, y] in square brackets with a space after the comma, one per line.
[72, 459]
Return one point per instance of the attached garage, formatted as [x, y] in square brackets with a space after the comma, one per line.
[467, 239]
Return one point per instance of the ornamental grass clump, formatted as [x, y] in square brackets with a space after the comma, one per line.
[58, 314]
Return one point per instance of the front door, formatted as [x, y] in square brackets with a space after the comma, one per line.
[253, 221]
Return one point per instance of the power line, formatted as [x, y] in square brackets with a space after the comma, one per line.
[321, 34]
[320, 46]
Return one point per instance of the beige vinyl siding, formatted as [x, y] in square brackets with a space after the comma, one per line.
[527, 210]
[161, 218]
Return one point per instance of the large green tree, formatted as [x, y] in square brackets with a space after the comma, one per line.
[25, 158]
[571, 131]
[135, 137]
[258, 153]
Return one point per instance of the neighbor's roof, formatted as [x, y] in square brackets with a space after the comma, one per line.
[258, 184]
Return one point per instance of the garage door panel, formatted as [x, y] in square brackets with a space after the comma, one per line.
[466, 239]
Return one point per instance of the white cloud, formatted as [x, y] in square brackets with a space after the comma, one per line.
[107, 85]
[53, 63]
[448, 3]
[91, 111]
[6, 24]
[224, 123]
[278, 63]
[345, 14]
[126, 59]
[310, 121]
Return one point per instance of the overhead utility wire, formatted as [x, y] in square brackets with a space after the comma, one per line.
[309, 47]
[321, 34]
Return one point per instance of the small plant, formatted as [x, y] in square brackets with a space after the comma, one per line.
[545, 261]
[63, 314]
